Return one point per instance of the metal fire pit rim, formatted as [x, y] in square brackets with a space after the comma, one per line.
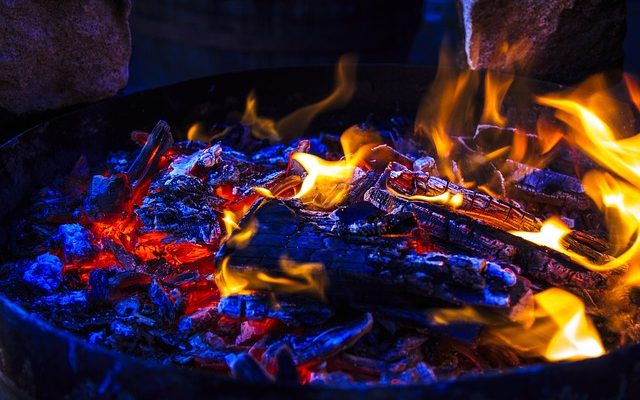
[10, 309]
[230, 75]
[76, 342]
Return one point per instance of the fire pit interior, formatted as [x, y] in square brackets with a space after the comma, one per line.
[493, 229]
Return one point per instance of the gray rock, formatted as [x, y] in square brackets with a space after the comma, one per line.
[59, 53]
[557, 40]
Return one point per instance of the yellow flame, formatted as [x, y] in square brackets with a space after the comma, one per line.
[241, 239]
[558, 328]
[230, 222]
[327, 183]
[296, 123]
[548, 135]
[264, 192]
[597, 124]
[198, 133]
[551, 233]
[495, 88]
[293, 278]
[445, 198]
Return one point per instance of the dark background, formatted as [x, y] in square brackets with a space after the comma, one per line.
[176, 40]
[157, 61]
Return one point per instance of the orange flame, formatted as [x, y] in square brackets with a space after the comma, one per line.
[597, 126]
[297, 122]
[557, 329]
[633, 87]
[261, 128]
[448, 101]
[495, 88]
[327, 182]
[294, 278]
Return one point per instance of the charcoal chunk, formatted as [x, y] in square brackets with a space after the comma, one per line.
[182, 206]
[290, 310]
[44, 273]
[107, 196]
[166, 306]
[75, 240]
[245, 368]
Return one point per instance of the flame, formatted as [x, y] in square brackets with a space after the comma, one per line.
[596, 125]
[327, 182]
[548, 135]
[495, 88]
[557, 329]
[261, 128]
[294, 278]
[551, 233]
[297, 122]
[633, 87]
[230, 222]
[445, 198]
[241, 239]
[449, 100]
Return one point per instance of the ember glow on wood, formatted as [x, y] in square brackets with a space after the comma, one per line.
[262, 249]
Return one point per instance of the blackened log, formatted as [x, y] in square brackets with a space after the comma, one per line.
[290, 310]
[159, 141]
[358, 267]
[125, 259]
[107, 196]
[323, 344]
[110, 285]
[545, 187]
[466, 233]
[493, 211]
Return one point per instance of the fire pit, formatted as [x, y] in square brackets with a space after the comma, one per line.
[392, 277]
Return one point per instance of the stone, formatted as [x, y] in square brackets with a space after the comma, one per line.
[557, 40]
[60, 53]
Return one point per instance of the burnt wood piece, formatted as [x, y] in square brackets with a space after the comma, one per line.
[464, 232]
[493, 211]
[488, 209]
[290, 310]
[321, 344]
[112, 284]
[159, 141]
[367, 268]
[545, 187]
[107, 196]
[244, 367]
[184, 207]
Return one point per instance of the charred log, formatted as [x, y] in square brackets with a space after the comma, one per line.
[464, 232]
[158, 142]
[383, 269]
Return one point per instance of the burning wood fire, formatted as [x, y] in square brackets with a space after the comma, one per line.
[404, 251]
